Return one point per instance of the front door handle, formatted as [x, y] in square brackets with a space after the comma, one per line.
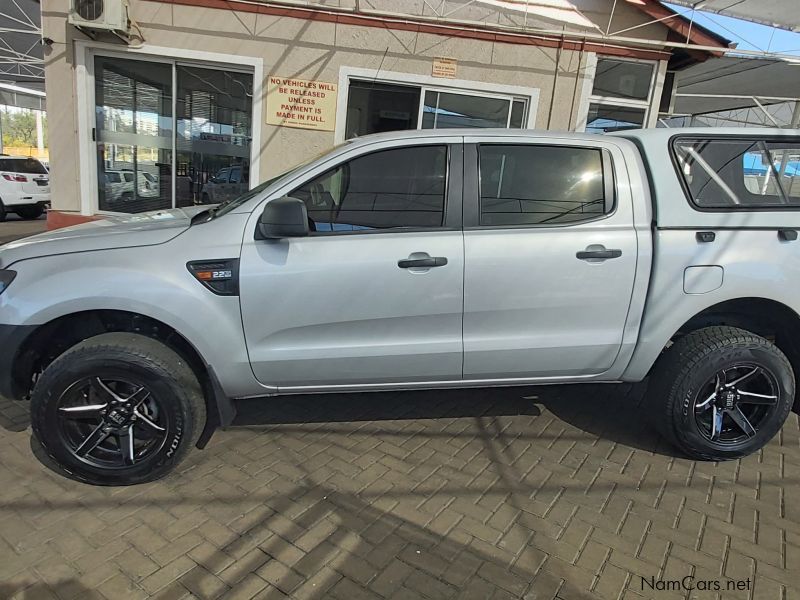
[596, 253]
[422, 263]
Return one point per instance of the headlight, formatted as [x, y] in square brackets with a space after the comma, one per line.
[6, 277]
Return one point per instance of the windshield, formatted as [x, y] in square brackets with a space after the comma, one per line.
[230, 205]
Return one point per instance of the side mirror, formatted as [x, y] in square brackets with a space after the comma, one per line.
[282, 218]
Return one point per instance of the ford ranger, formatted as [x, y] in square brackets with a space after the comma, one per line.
[428, 259]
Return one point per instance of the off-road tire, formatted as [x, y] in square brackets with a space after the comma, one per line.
[137, 357]
[689, 363]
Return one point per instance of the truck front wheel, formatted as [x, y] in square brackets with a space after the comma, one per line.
[117, 409]
[726, 392]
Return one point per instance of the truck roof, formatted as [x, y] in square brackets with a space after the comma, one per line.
[650, 135]
[662, 134]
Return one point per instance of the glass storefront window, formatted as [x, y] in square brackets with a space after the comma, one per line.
[134, 128]
[214, 110]
[142, 145]
[374, 107]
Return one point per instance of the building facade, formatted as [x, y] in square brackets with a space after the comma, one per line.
[205, 98]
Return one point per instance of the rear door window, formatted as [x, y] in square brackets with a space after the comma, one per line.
[533, 184]
[739, 173]
[31, 166]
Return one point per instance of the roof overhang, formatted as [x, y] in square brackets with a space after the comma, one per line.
[775, 13]
[21, 56]
[732, 82]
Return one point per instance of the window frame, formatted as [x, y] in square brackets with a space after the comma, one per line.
[472, 184]
[678, 171]
[85, 53]
[510, 98]
[452, 208]
[530, 95]
[589, 97]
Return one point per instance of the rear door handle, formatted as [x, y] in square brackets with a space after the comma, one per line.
[422, 263]
[599, 254]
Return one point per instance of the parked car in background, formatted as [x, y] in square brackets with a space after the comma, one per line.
[119, 188]
[24, 187]
[226, 185]
[431, 259]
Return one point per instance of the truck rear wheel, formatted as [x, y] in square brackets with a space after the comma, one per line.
[726, 392]
[117, 409]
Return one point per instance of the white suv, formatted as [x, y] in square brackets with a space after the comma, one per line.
[24, 187]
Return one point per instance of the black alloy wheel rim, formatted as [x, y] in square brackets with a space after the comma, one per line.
[733, 405]
[111, 423]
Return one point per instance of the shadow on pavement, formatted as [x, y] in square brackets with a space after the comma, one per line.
[615, 412]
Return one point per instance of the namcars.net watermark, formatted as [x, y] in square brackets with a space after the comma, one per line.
[691, 583]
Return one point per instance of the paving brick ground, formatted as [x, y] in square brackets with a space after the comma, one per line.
[536, 493]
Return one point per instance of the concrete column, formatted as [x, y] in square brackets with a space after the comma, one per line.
[39, 133]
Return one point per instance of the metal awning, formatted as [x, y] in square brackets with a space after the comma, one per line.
[775, 13]
[734, 82]
[21, 58]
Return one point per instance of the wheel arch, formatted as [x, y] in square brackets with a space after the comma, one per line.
[765, 317]
[50, 340]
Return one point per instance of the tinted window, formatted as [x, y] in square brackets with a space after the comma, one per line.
[603, 118]
[22, 165]
[392, 188]
[539, 185]
[622, 79]
[729, 173]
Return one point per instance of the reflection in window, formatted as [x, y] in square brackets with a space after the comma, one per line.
[134, 134]
[540, 185]
[786, 159]
[376, 107]
[404, 187]
[444, 110]
[622, 79]
[214, 125]
[751, 173]
[136, 130]
[603, 118]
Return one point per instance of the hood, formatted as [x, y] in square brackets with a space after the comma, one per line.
[128, 231]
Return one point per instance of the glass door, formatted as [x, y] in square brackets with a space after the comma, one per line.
[170, 134]
[214, 112]
[134, 125]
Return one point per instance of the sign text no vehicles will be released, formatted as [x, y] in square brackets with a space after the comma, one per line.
[300, 103]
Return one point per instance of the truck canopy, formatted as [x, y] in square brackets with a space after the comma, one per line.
[722, 177]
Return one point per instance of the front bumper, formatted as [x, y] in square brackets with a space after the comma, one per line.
[12, 337]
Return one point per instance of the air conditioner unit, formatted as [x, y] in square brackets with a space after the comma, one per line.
[105, 15]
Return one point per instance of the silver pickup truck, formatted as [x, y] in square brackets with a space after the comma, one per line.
[431, 259]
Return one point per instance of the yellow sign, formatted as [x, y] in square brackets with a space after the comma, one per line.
[444, 67]
[301, 103]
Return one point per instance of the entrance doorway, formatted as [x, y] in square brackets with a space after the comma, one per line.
[170, 134]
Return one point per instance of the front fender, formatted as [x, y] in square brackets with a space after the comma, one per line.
[150, 281]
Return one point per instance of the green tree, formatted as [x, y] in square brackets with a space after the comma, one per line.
[19, 128]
